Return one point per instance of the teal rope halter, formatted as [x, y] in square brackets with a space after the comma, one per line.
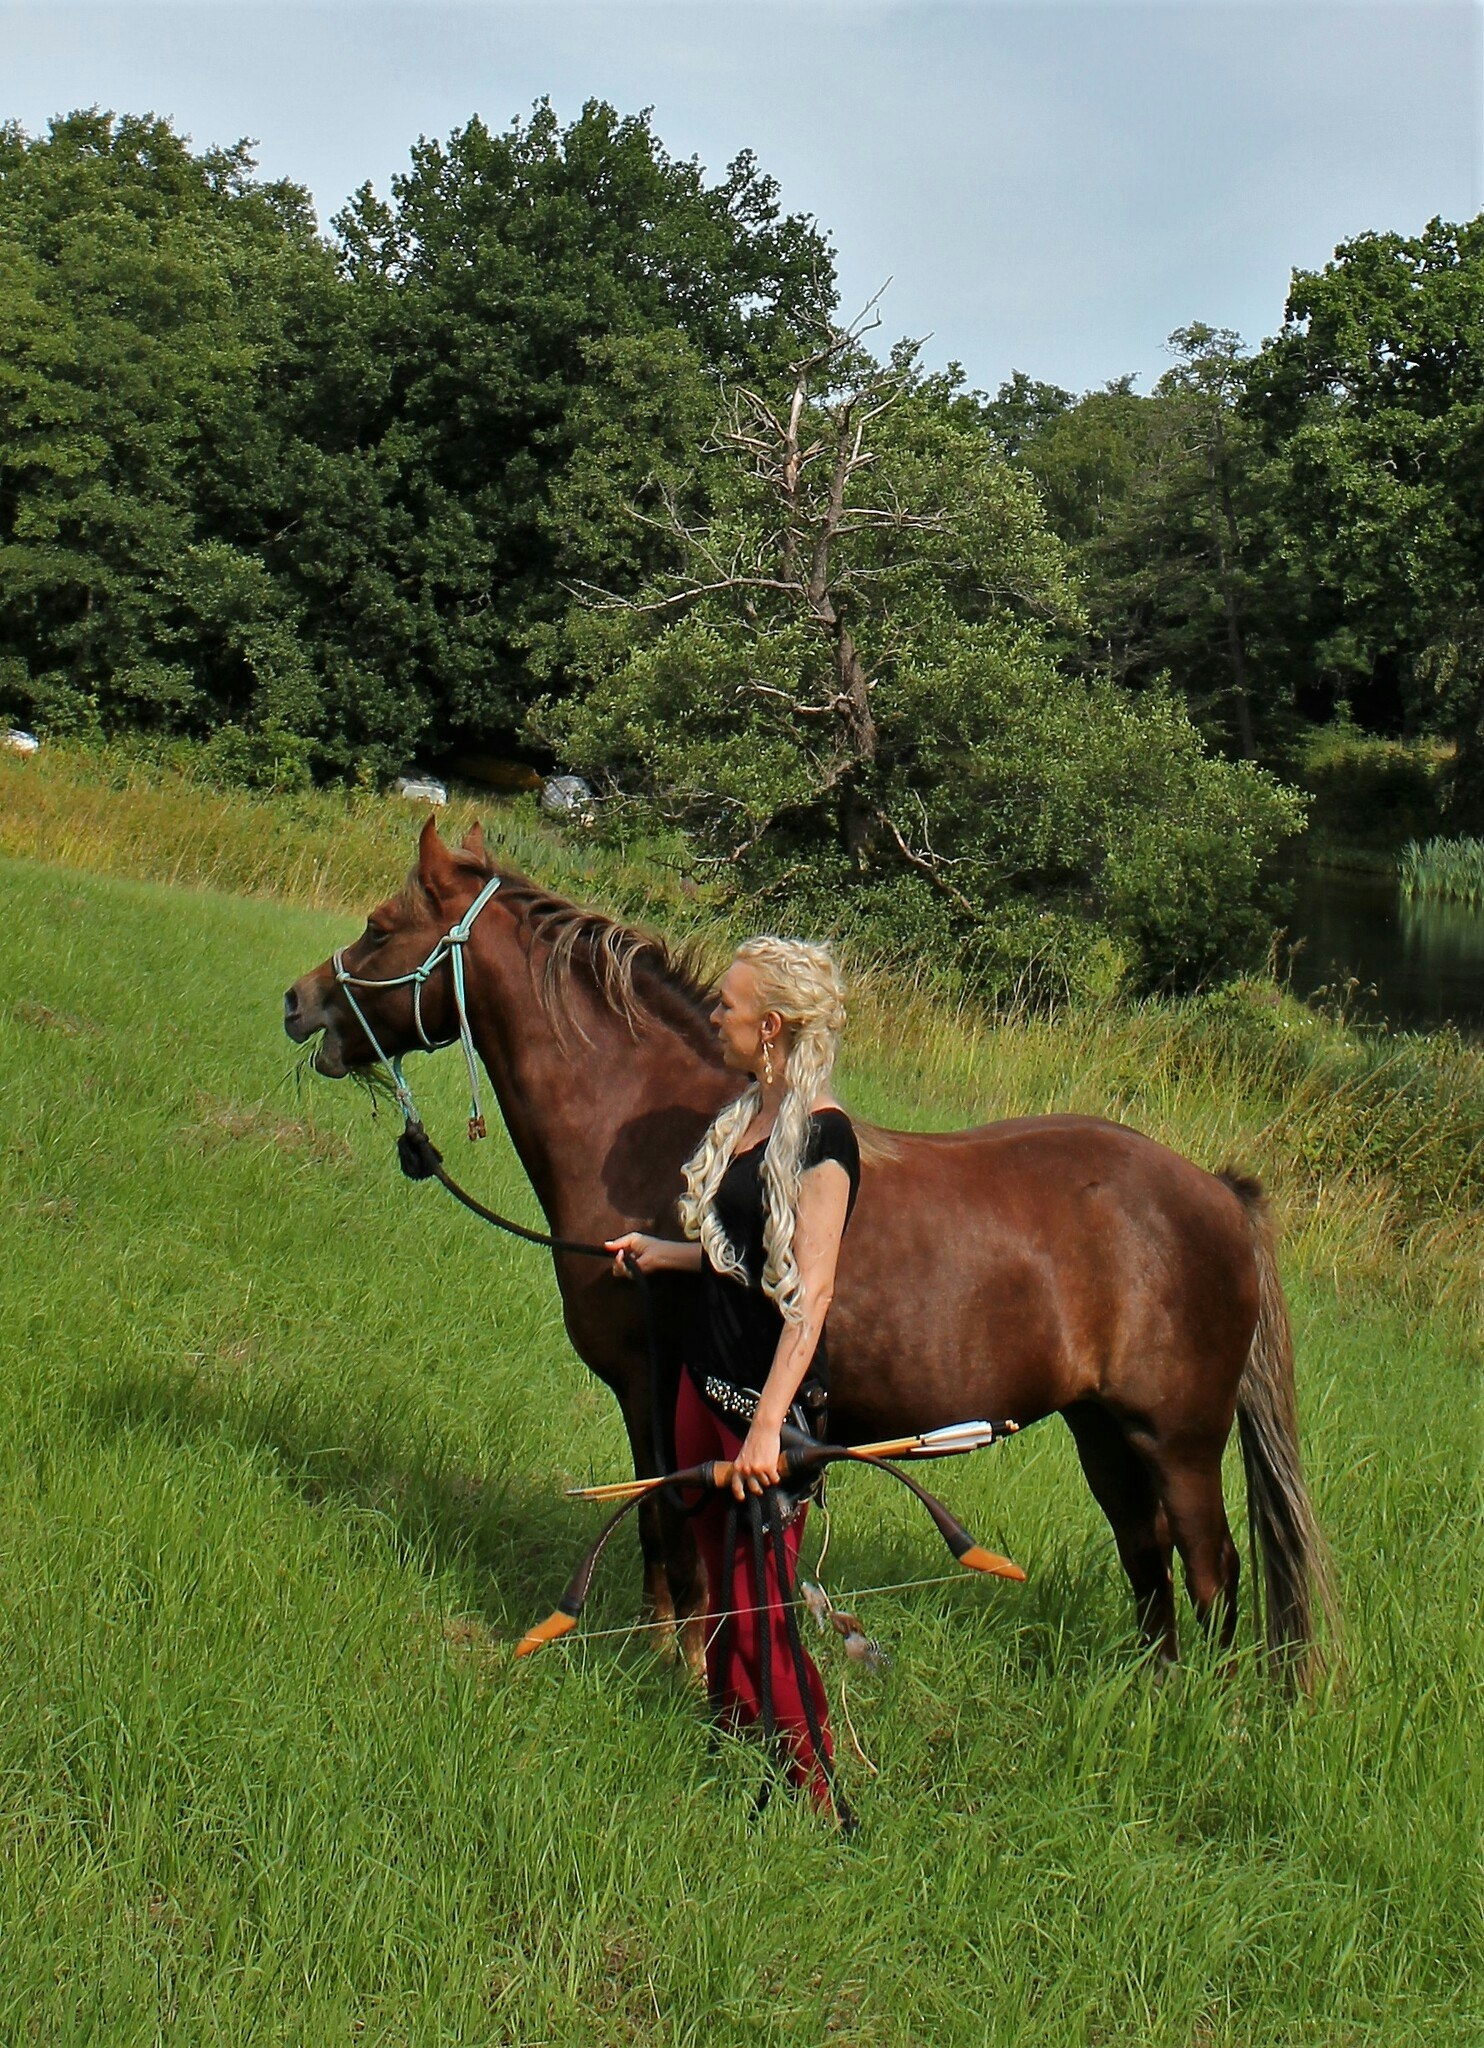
[451, 948]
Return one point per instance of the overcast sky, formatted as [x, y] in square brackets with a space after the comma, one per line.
[1051, 187]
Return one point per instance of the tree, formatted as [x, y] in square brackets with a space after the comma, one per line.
[1370, 409]
[250, 479]
[1162, 502]
[1206, 384]
[842, 693]
[1022, 409]
[549, 302]
[161, 311]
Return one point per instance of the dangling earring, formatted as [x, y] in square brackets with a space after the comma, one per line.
[767, 1063]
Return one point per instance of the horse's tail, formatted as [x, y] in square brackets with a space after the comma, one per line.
[1291, 1568]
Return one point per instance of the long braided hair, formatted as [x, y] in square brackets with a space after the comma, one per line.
[801, 982]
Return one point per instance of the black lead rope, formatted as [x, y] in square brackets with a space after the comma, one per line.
[844, 1812]
[723, 1644]
[763, 1623]
[765, 1521]
[420, 1159]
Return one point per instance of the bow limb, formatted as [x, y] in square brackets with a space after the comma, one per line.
[973, 1556]
[564, 1616]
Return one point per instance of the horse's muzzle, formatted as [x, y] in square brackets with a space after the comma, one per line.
[295, 1023]
[304, 1007]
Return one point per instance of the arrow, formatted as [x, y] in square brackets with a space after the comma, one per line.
[801, 1456]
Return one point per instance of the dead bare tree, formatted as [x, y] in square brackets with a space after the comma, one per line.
[822, 539]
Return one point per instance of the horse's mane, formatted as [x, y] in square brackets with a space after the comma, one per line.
[640, 977]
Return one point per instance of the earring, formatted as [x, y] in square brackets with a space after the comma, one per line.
[767, 1063]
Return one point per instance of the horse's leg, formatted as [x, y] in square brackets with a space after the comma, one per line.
[674, 1592]
[1190, 1486]
[686, 1577]
[659, 1608]
[1122, 1486]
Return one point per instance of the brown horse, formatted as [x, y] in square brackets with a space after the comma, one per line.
[1055, 1263]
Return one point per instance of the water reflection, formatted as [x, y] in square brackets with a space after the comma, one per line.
[1419, 963]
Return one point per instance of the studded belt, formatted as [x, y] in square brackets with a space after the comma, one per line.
[739, 1401]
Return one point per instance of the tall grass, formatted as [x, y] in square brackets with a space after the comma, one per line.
[282, 1440]
[118, 811]
[1373, 1145]
[1368, 795]
[1450, 869]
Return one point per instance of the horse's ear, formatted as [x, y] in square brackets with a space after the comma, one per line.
[474, 842]
[435, 868]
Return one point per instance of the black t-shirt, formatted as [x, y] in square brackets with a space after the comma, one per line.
[737, 1337]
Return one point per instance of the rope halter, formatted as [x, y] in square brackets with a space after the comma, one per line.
[451, 948]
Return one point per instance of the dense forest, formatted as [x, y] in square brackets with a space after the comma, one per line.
[564, 451]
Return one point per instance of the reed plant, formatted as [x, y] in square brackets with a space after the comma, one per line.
[1451, 870]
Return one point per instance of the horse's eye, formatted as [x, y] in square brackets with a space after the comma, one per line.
[375, 936]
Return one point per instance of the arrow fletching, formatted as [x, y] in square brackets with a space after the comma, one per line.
[963, 1436]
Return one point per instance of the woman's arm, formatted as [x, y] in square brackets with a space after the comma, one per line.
[653, 1254]
[824, 1198]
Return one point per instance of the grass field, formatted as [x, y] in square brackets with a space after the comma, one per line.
[282, 1443]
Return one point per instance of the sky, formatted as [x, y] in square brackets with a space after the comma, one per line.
[1049, 187]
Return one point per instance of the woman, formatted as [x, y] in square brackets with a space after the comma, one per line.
[767, 1197]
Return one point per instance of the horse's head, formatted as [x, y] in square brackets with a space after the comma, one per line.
[399, 936]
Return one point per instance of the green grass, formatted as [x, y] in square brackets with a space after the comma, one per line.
[282, 1440]
[1449, 869]
[119, 810]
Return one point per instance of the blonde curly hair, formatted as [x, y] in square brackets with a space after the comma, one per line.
[801, 982]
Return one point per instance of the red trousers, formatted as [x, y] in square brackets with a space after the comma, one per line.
[734, 1650]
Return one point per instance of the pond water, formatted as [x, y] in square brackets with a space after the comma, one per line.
[1418, 964]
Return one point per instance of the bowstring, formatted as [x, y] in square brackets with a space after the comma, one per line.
[633, 1628]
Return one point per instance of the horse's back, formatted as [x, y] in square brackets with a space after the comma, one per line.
[1036, 1262]
[1038, 1159]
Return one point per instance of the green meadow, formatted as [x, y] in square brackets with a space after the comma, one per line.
[283, 1441]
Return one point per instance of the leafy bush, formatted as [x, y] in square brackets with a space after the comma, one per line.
[1370, 792]
[262, 757]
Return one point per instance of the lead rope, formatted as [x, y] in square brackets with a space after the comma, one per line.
[420, 1159]
[764, 1626]
[844, 1813]
[765, 1520]
[728, 1617]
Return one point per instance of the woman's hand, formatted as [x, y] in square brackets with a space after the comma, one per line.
[756, 1464]
[650, 1254]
